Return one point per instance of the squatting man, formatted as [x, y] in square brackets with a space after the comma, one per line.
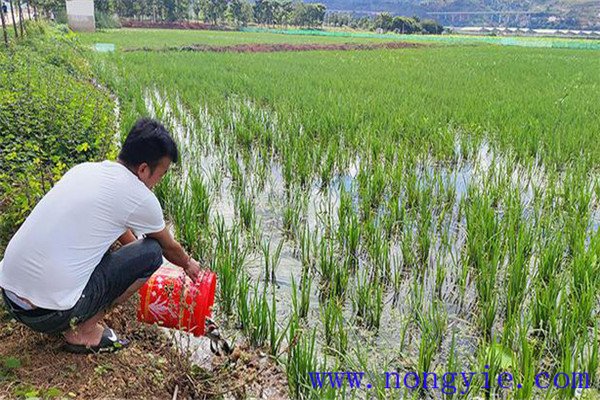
[58, 275]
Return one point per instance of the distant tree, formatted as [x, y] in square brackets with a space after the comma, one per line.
[308, 14]
[106, 6]
[338, 19]
[240, 12]
[178, 9]
[128, 8]
[170, 9]
[364, 23]
[50, 5]
[196, 8]
[405, 25]
[384, 21]
[431, 27]
[213, 10]
[263, 11]
[316, 14]
[282, 12]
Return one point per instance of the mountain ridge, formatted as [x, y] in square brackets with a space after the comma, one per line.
[560, 13]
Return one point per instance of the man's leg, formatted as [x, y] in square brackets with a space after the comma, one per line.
[118, 276]
[89, 332]
[131, 291]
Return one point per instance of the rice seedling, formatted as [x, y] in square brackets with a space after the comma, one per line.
[301, 359]
[334, 331]
[484, 256]
[416, 296]
[191, 213]
[520, 243]
[257, 330]
[371, 187]
[228, 263]
[216, 180]
[453, 365]
[327, 266]
[440, 276]
[523, 366]
[328, 164]
[307, 251]
[491, 360]
[243, 307]
[591, 363]
[200, 199]
[271, 261]
[424, 233]
[301, 296]
[329, 316]
[433, 325]
[348, 232]
[246, 212]
[276, 335]
[237, 176]
[409, 259]
[379, 252]
[368, 302]
[293, 210]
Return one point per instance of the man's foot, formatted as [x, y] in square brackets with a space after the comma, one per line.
[85, 335]
[108, 343]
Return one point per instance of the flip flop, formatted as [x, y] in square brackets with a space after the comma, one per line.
[109, 343]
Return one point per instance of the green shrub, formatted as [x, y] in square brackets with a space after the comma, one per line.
[53, 116]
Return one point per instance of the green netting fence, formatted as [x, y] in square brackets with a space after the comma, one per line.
[587, 44]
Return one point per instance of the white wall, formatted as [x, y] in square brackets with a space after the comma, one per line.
[80, 14]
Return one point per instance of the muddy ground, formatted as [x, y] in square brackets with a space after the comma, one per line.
[152, 367]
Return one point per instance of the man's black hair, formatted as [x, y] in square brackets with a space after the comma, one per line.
[147, 142]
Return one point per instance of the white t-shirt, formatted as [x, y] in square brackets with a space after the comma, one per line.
[53, 254]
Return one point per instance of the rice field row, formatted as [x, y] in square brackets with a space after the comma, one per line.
[430, 209]
[159, 38]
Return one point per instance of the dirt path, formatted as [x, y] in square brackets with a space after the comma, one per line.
[281, 47]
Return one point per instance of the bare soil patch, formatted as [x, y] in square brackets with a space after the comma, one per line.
[152, 367]
[282, 47]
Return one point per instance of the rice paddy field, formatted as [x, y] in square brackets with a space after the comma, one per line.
[422, 209]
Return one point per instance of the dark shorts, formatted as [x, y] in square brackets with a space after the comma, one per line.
[115, 273]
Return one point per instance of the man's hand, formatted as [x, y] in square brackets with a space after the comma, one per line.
[192, 269]
[174, 252]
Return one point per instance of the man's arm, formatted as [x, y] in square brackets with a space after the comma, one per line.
[174, 252]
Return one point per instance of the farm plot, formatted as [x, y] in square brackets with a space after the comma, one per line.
[426, 209]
